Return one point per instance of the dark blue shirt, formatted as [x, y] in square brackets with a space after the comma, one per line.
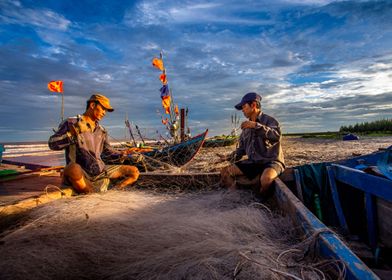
[263, 143]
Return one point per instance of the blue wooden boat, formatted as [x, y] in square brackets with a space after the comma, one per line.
[174, 155]
[354, 197]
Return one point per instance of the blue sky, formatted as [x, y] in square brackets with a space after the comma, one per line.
[318, 64]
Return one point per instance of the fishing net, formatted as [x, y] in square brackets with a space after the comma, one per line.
[174, 223]
[149, 235]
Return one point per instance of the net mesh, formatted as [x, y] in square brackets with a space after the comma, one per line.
[150, 235]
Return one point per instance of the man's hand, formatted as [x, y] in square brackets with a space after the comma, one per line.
[222, 158]
[72, 131]
[248, 124]
[136, 157]
[78, 128]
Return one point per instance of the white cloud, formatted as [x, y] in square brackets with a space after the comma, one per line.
[101, 78]
[163, 12]
[14, 13]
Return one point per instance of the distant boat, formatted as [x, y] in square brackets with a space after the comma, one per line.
[220, 141]
[175, 155]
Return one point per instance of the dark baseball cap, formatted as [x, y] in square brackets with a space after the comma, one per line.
[249, 97]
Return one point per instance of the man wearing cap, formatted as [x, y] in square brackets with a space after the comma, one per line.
[84, 141]
[260, 141]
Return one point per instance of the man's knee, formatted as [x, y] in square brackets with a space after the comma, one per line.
[268, 176]
[135, 171]
[73, 170]
[130, 171]
[266, 181]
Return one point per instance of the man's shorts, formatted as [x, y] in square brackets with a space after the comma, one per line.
[100, 182]
[252, 169]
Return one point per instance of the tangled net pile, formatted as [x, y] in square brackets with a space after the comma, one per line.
[148, 235]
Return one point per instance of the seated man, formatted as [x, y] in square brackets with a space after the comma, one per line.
[84, 140]
[260, 141]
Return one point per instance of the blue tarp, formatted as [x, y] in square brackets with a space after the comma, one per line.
[316, 191]
[350, 136]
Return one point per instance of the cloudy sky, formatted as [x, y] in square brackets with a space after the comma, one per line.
[318, 64]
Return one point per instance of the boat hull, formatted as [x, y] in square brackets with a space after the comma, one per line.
[172, 156]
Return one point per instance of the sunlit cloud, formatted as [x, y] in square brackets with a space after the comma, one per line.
[317, 64]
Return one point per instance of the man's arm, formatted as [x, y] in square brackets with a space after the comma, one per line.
[63, 137]
[270, 131]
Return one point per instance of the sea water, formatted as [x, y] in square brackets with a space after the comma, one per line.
[36, 153]
[33, 152]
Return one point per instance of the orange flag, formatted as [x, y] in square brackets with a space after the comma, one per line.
[163, 79]
[166, 103]
[55, 86]
[158, 63]
[176, 110]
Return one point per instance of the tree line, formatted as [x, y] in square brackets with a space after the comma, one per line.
[384, 125]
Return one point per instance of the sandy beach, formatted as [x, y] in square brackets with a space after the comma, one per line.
[299, 151]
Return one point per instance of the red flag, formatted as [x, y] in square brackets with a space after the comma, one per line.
[163, 79]
[158, 63]
[55, 86]
[176, 110]
[166, 103]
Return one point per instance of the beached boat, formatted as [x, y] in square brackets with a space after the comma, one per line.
[220, 141]
[174, 155]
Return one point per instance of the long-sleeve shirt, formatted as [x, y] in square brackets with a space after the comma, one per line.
[85, 148]
[263, 143]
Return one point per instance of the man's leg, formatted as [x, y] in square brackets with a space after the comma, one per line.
[228, 175]
[74, 174]
[267, 177]
[128, 172]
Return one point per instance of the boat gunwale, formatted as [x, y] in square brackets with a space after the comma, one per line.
[331, 246]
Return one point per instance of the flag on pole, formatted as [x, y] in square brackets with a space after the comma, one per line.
[55, 86]
[158, 63]
[166, 100]
[164, 91]
[163, 79]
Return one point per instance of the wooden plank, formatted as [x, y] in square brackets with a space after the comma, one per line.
[376, 186]
[23, 174]
[35, 201]
[30, 166]
[336, 201]
[27, 185]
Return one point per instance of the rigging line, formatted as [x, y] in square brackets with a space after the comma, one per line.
[115, 139]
